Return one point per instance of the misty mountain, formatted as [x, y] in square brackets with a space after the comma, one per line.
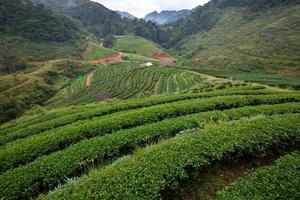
[102, 21]
[125, 15]
[166, 16]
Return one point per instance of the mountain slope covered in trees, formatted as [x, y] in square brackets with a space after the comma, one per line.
[166, 16]
[36, 22]
[250, 40]
[37, 33]
[103, 22]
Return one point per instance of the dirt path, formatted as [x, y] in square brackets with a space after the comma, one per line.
[36, 63]
[89, 79]
[116, 57]
[165, 58]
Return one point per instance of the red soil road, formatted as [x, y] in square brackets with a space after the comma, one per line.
[116, 57]
[166, 59]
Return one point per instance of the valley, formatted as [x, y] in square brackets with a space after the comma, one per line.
[193, 104]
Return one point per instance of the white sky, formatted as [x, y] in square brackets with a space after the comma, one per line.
[140, 8]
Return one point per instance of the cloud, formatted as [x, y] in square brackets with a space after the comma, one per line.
[140, 8]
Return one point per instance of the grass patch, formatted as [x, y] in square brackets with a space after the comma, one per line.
[136, 45]
[95, 51]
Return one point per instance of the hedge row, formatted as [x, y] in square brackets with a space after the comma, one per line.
[281, 181]
[47, 172]
[157, 168]
[12, 126]
[23, 130]
[22, 151]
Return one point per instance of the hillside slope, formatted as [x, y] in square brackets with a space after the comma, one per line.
[126, 80]
[166, 16]
[187, 132]
[254, 42]
[125, 14]
[20, 91]
[103, 22]
[37, 33]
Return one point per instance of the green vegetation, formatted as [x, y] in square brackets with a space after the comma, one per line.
[150, 171]
[136, 45]
[45, 121]
[125, 80]
[138, 58]
[36, 85]
[277, 182]
[94, 51]
[122, 129]
[22, 151]
[103, 22]
[38, 50]
[109, 41]
[36, 22]
[246, 40]
[78, 158]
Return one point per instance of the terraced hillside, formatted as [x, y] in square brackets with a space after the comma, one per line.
[125, 80]
[165, 141]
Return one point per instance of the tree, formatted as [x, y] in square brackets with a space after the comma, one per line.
[109, 41]
[13, 63]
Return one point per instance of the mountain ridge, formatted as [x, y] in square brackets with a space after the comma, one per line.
[166, 16]
[126, 15]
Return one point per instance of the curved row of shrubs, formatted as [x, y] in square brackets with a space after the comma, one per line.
[281, 181]
[11, 126]
[45, 123]
[160, 167]
[22, 151]
[47, 172]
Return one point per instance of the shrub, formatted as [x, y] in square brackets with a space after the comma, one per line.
[75, 160]
[20, 152]
[146, 174]
[276, 182]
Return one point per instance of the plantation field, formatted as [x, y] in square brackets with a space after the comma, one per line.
[205, 108]
[95, 51]
[136, 45]
[127, 80]
[262, 77]
[187, 132]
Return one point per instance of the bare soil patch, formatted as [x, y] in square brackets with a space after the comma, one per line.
[165, 58]
[116, 57]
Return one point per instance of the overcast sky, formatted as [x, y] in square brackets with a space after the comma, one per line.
[140, 8]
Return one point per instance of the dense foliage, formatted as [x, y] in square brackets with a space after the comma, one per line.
[150, 171]
[20, 152]
[276, 182]
[61, 117]
[78, 158]
[103, 22]
[21, 91]
[205, 17]
[123, 80]
[35, 22]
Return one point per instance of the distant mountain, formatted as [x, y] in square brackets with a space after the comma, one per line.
[166, 16]
[101, 21]
[125, 15]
